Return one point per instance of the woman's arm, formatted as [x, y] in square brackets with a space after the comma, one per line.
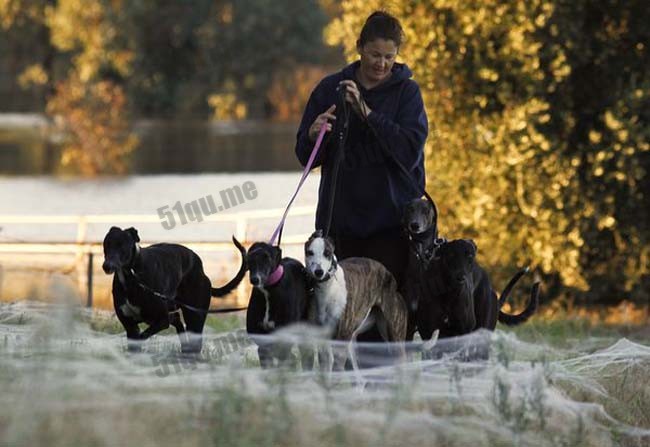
[406, 135]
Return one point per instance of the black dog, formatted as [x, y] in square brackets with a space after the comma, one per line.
[460, 298]
[420, 222]
[152, 285]
[279, 298]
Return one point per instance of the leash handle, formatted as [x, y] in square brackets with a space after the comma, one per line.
[278, 231]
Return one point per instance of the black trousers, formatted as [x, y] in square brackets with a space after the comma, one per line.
[388, 247]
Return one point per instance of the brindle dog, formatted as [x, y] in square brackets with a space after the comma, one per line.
[349, 293]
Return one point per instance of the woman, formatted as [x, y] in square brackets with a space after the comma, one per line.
[371, 190]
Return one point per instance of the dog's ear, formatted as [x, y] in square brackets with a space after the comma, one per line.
[474, 250]
[134, 234]
[114, 228]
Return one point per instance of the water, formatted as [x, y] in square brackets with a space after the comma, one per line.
[67, 379]
[166, 147]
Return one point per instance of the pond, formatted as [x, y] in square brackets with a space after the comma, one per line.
[166, 146]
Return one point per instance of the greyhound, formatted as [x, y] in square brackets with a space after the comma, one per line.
[152, 285]
[460, 296]
[349, 294]
[420, 222]
[280, 297]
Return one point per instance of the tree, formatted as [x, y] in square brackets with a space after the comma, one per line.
[81, 61]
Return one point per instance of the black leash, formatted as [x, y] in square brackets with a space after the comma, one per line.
[342, 135]
[143, 286]
[407, 174]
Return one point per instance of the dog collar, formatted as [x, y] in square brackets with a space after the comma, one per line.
[276, 276]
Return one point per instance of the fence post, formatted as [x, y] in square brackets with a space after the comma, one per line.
[89, 282]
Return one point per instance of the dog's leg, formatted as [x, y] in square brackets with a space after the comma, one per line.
[325, 357]
[194, 323]
[306, 355]
[133, 337]
[156, 327]
[283, 352]
[175, 320]
[340, 355]
[265, 354]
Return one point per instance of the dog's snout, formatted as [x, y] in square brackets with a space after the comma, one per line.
[414, 226]
[319, 273]
[255, 281]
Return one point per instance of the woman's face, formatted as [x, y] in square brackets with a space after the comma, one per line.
[377, 59]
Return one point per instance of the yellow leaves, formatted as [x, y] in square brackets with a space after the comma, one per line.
[83, 26]
[611, 122]
[606, 222]
[8, 11]
[595, 137]
[540, 20]
[93, 116]
[488, 74]
[226, 106]
[33, 75]
[560, 66]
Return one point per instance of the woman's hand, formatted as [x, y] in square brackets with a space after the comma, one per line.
[353, 96]
[322, 120]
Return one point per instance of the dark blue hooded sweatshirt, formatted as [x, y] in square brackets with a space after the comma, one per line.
[372, 190]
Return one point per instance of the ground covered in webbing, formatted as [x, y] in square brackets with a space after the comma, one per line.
[67, 379]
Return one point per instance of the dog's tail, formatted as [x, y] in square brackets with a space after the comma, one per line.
[511, 284]
[513, 320]
[232, 285]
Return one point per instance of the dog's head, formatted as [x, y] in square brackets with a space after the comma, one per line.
[457, 262]
[120, 249]
[262, 260]
[457, 259]
[419, 216]
[320, 260]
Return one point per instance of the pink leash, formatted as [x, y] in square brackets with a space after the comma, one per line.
[305, 173]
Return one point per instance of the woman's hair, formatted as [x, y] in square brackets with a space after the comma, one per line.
[381, 25]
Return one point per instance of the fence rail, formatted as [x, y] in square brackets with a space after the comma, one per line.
[83, 247]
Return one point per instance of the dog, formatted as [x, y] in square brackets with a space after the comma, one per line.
[351, 293]
[460, 298]
[420, 223]
[280, 297]
[152, 285]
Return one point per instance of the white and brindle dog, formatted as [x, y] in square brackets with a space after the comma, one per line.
[349, 294]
